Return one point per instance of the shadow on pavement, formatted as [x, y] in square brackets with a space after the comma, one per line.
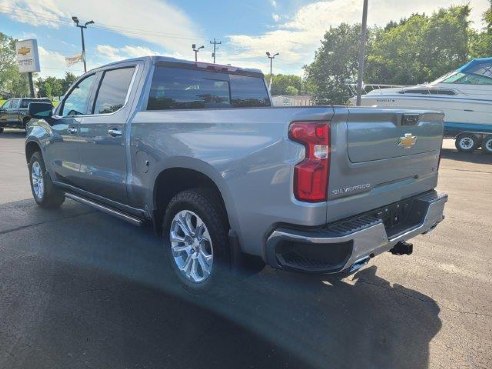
[91, 291]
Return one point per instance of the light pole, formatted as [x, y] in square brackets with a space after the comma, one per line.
[77, 24]
[196, 50]
[362, 52]
[271, 57]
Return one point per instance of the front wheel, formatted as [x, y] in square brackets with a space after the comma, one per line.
[467, 142]
[195, 239]
[487, 144]
[44, 192]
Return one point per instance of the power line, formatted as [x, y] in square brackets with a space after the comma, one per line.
[215, 43]
[112, 28]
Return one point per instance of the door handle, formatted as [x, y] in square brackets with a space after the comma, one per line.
[72, 130]
[114, 132]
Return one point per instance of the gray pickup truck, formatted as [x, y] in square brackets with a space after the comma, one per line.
[197, 150]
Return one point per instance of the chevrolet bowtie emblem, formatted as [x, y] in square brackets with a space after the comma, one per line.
[24, 50]
[407, 141]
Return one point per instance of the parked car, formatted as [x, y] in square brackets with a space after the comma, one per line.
[228, 180]
[14, 113]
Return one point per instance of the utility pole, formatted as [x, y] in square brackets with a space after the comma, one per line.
[196, 50]
[76, 21]
[215, 43]
[271, 57]
[362, 53]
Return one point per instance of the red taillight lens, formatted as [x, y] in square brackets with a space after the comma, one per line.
[311, 174]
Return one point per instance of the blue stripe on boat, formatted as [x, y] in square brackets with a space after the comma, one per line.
[454, 128]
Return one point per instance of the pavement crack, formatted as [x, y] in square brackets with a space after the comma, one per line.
[19, 228]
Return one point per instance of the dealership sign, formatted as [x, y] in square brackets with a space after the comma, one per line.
[27, 55]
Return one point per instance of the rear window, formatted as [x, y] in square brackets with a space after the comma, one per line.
[113, 90]
[175, 88]
[248, 91]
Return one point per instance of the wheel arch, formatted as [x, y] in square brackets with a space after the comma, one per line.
[173, 179]
[31, 148]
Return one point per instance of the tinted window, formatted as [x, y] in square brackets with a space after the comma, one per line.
[248, 91]
[174, 88]
[112, 92]
[25, 102]
[77, 101]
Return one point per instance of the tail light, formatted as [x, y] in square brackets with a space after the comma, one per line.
[311, 174]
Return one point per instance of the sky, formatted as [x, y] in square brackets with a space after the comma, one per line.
[247, 29]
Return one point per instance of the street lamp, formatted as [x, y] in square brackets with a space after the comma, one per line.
[77, 24]
[196, 50]
[271, 57]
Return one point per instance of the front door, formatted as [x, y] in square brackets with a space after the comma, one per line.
[63, 152]
[102, 137]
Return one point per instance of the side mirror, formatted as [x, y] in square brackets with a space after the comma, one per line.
[40, 110]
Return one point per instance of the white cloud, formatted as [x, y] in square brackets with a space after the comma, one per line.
[53, 64]
[298, 38]
[276, 17]
[153, 21]
[113, 53]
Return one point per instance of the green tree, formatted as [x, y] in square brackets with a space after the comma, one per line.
[67, 81]
[480, 43]
[420, 48]
[334, 64]
[12, 83]
[282, 82]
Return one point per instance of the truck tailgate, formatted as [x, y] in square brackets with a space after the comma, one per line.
[385, 135]
[380, 157]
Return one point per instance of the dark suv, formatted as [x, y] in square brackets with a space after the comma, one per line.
[14, 113]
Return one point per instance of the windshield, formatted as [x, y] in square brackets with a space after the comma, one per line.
[473, 73]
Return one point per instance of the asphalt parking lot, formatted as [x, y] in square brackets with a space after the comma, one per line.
[80, 289]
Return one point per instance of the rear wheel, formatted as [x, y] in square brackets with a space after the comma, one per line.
[195, 239]
[467, 142]
[1, 129]
[487, 144]
[44, 192]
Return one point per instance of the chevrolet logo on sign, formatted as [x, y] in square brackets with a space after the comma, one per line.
[407, 141]
[24, 51]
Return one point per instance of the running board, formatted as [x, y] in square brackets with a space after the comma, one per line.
[105, 209]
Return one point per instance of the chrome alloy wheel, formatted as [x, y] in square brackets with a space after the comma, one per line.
[37, 180]
[466, 143]
[191, 246]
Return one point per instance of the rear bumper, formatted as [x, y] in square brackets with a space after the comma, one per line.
[347, 244]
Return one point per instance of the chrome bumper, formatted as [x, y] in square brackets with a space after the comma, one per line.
[367, 237]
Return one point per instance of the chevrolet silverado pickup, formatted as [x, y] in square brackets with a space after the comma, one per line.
[197, 150]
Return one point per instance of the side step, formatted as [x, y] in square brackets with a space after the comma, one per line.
[105, 209]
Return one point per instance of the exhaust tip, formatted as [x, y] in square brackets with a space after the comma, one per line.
[359, 264]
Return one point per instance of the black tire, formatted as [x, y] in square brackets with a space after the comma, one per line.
[49, 196]
[467, 142]
[487, 144]
[1, 129]
[205, 204]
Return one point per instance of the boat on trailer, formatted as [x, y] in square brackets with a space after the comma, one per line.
[464, 95]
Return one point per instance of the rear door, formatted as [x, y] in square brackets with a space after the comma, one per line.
[103, 136]
[13, 111]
